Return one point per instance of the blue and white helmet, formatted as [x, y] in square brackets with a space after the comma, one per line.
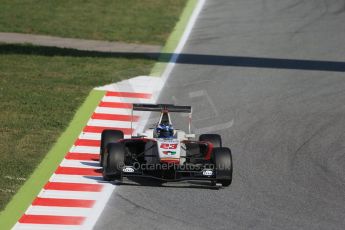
[165, 131]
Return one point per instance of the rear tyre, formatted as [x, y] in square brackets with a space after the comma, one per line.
[114, 159]
[222, 159]
[215, 139]
[108, 136]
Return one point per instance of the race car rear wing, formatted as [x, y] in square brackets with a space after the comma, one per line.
[164, 107]
[161, 107]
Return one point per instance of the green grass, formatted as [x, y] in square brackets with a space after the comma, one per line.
[40, 91]
[138, 21]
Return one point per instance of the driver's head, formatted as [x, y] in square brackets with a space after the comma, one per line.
[165, 131]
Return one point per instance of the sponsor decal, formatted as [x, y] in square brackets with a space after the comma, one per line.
[168, 140]
[168, 146]
[169, 152]
[128, 169]
[207, 172]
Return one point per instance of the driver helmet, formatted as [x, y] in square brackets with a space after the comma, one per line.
[165, 131]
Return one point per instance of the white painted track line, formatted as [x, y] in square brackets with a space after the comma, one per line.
[84, 149]
[76, 179]
[182, 41]
[126, 100]
[107, 110]
[94, 136]
[110, 124]
[68, 194]
[80, 164]
[57, 211]
[90, 136]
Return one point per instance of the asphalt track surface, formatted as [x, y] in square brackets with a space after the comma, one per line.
[249, 73]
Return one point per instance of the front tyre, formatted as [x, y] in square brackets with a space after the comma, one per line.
[108, 136]
[114, 159]
[222, 159]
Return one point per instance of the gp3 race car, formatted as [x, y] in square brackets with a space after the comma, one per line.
[165, 153]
